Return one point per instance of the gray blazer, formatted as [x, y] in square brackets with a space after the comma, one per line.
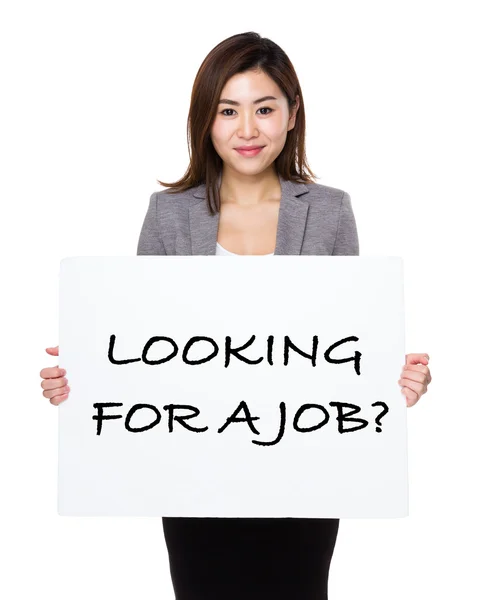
[313, 219]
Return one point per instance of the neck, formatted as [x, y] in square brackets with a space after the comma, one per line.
[249, 190]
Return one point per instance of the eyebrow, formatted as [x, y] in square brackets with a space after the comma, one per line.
[234, 103]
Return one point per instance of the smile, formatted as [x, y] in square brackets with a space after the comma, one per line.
[253, 152]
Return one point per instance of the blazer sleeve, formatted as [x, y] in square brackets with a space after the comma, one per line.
[150, 241]
[347, 239]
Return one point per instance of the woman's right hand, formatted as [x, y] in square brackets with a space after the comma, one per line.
[53, 381]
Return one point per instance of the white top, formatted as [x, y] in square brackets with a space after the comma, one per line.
[220, 251]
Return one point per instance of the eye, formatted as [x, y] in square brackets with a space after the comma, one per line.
[261, 108]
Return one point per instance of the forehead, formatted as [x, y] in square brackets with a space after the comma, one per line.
[248, 85]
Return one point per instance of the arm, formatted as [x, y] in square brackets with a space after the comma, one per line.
[150, 241]
[346, 240]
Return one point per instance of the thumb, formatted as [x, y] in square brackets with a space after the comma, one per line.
[417, 359]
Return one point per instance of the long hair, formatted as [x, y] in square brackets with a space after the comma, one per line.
[237, 54]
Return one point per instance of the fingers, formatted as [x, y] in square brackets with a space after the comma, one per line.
[55, 387]
[52, 372]
[414, 375]
[411, 397]
[417, 373]
[53, 384]
[53, 381]
[56, 400]
[56, 392]
[410, 384]
[415, 358]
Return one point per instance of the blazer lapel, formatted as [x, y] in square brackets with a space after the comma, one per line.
[291, 219]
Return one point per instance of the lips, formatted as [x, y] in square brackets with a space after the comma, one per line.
[250, 151]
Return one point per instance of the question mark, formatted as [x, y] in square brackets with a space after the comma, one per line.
[380, 415]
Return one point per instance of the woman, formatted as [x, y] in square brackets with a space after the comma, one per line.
[259, 202]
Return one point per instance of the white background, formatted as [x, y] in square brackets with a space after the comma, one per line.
[93, 110]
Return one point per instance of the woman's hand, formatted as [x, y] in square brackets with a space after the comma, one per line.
[54, 383]
[414, 378]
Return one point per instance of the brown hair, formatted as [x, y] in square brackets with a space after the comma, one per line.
[237, 54]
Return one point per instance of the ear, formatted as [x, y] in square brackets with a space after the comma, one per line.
[293, 113]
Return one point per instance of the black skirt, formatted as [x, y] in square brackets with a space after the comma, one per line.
[250, 558]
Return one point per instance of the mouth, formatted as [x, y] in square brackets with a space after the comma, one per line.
[250, 151]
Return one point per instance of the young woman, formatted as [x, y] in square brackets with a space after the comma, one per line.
[247, 191]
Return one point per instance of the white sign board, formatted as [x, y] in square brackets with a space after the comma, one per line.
[208, 386]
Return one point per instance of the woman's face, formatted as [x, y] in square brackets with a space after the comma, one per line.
[242, 122]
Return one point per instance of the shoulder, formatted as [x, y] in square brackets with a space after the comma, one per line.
[168, 197]
[327, 204]
[331, 221]
[171, 206]
[325, 195]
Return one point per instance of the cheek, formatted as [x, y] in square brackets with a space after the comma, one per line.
[275, 131]
[219, 131]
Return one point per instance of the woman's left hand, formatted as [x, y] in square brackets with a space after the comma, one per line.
[414, 378]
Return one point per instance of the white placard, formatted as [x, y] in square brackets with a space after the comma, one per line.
[208, 386]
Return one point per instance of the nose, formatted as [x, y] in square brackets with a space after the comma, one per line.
[247, 127]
